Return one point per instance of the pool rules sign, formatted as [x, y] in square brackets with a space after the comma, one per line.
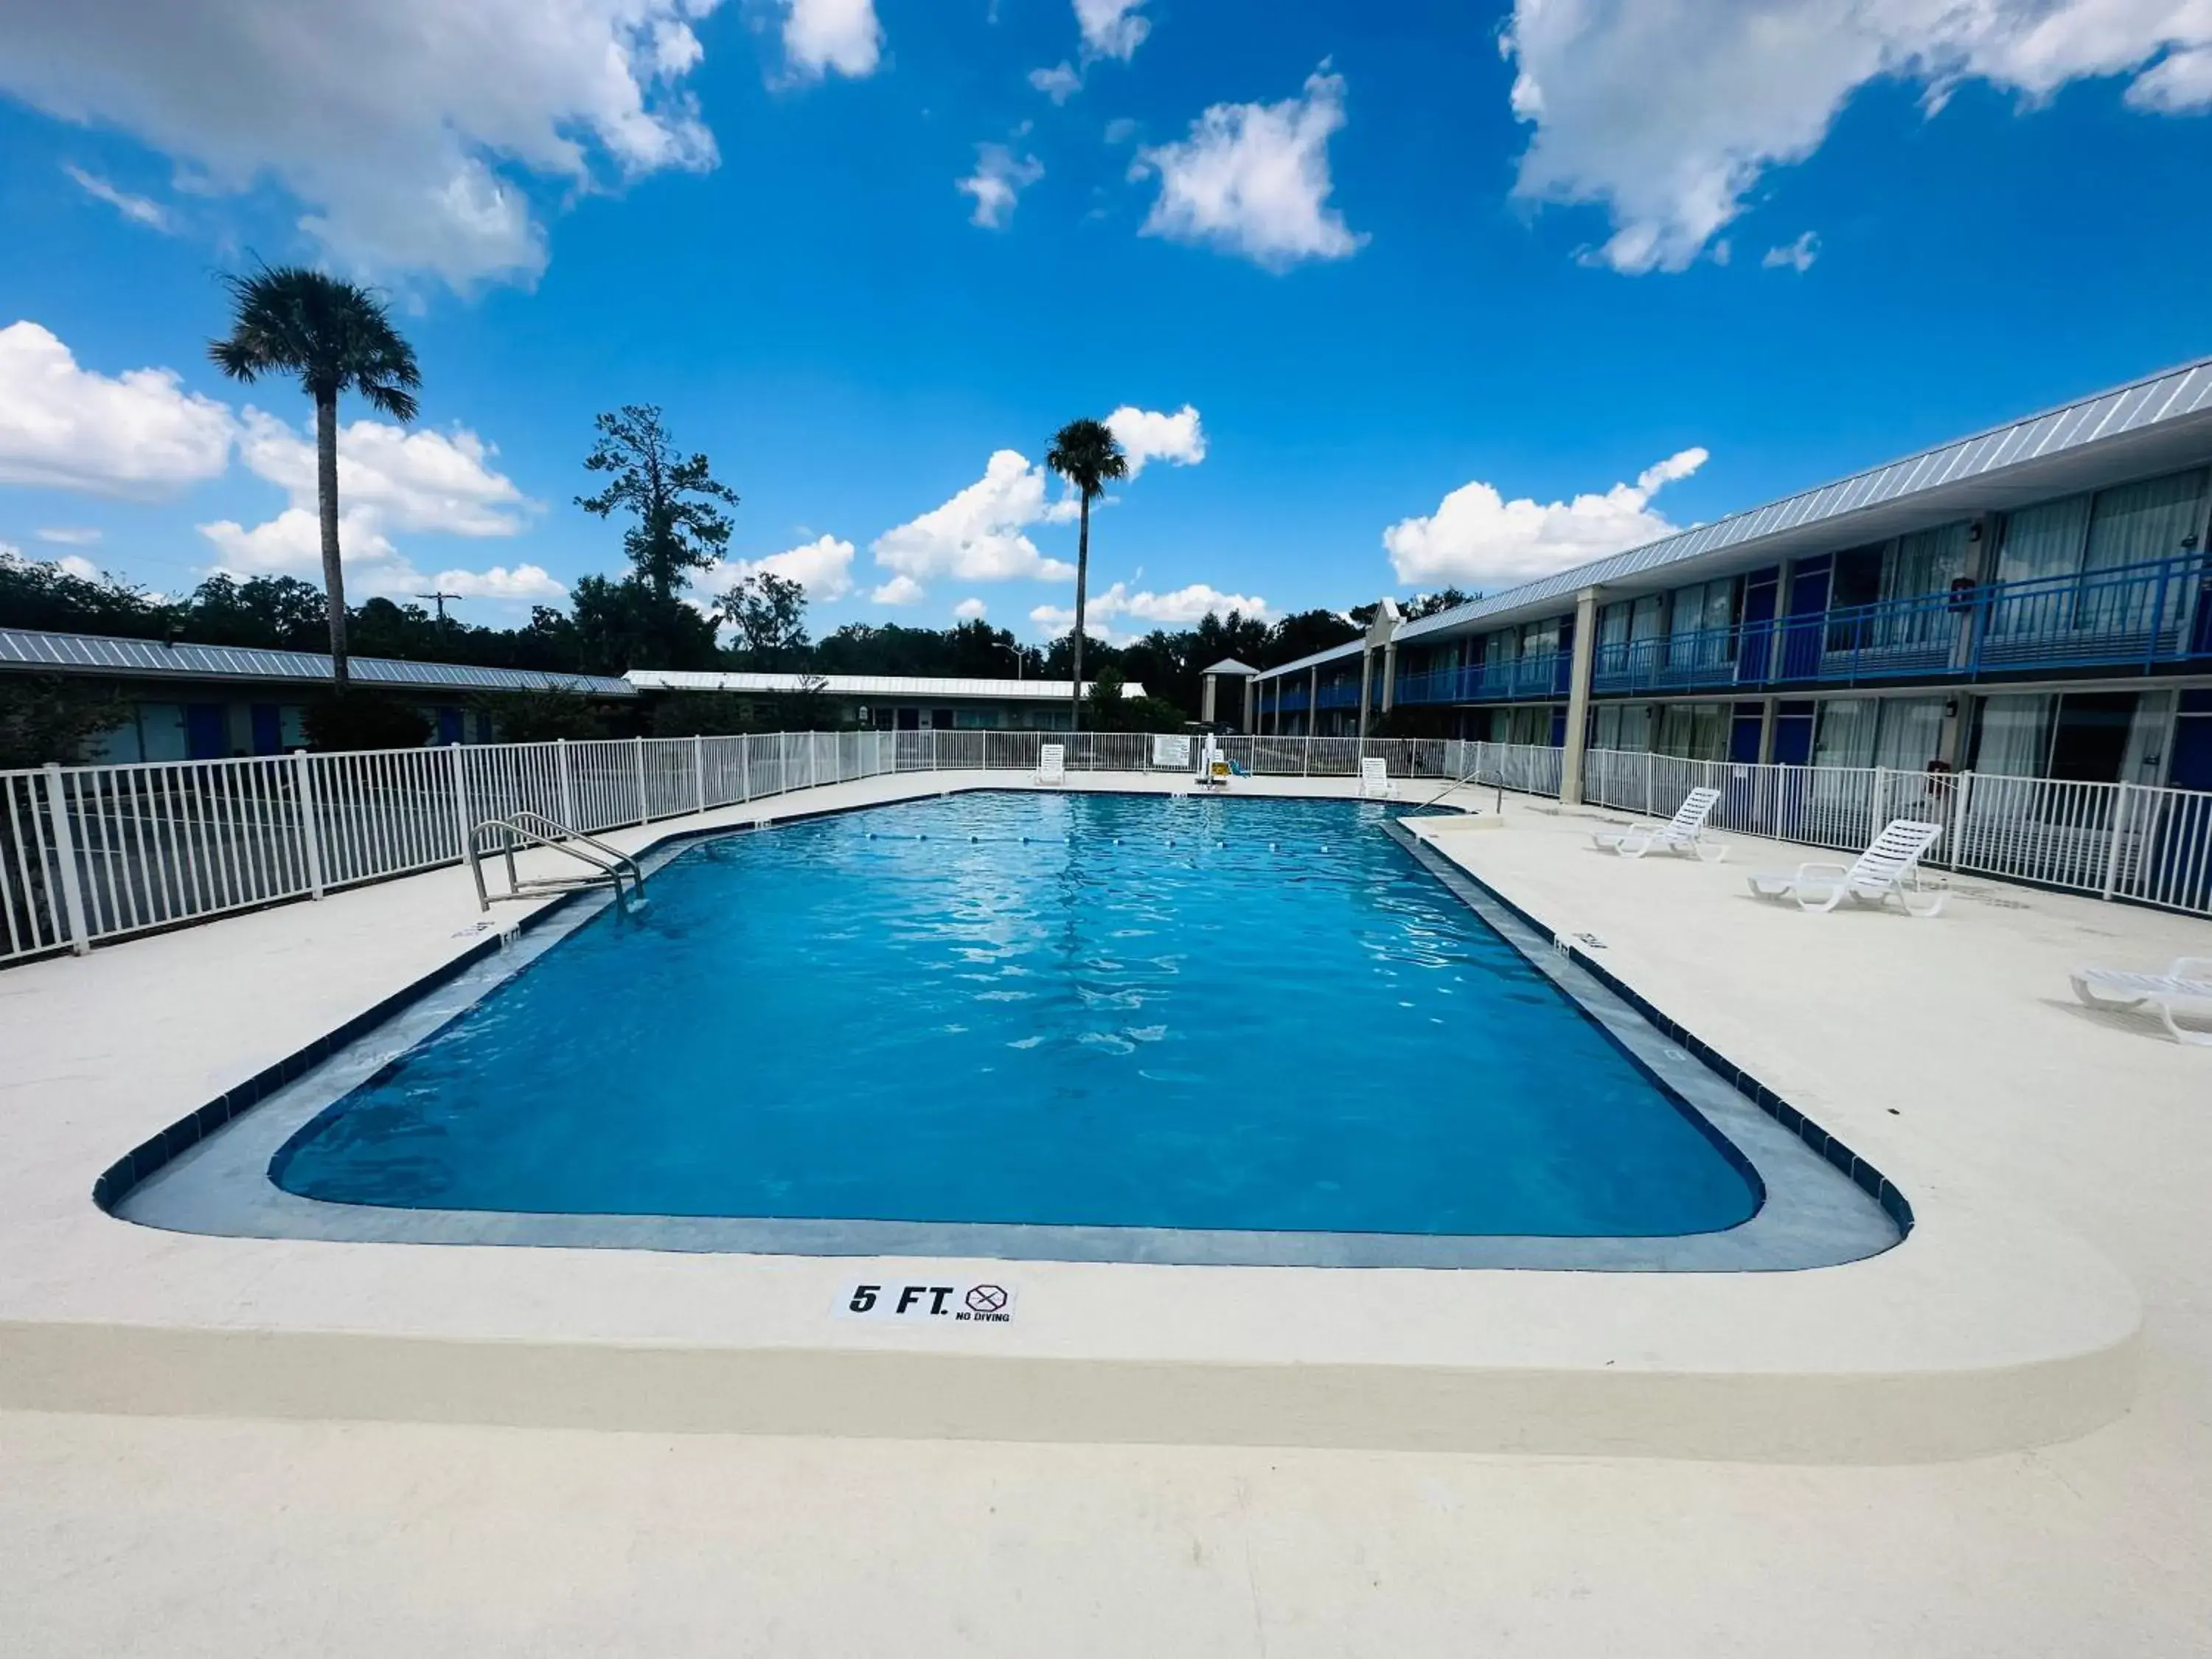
[983, 1301]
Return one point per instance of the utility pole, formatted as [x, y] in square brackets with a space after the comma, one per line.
[443, 600]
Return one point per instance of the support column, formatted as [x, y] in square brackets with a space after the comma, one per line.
[1579, 697]
[1767, 712]
[1313, 702]
[1366, 658]
[1389, 675]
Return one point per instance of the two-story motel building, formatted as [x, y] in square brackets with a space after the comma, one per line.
[2033, 600]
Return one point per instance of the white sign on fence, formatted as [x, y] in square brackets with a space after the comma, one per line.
[1171, 754]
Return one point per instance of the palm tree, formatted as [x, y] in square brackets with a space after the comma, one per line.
[1086, 454]
[335, 338]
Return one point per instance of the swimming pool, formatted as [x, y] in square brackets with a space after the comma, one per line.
[1039, 1012]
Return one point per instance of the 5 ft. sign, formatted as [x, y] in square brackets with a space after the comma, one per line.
[984, 1303]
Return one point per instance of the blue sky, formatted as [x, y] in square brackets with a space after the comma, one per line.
[1452, 293]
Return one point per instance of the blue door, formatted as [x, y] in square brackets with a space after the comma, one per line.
[1793, 735]
[1756, 641]
[268, 729]
[2193, 742]
[449, 725]
[1808, 604]
[207, 730]
[1744, 733]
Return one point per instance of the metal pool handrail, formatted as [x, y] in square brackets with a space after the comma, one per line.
[610, 868]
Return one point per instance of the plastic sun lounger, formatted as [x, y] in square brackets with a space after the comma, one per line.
[1881, 874]
[1684, 833]
[2188, 981]
[1375, 781]
[1052, 763]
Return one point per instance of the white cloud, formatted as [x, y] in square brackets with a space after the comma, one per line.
[824, 567]
[1121, 129]
[1148, 435]
[1253, 179]
[821, 36]
[1479, 538]
[69, 535]
[999, 178]
[979, 534]
[139, 209]
[418, 480]
[76, 564]
[1667, 111]
[1179, 609]
[389, 479]
[525, 584]
[1058, 620]
[1798, 255]
[1112, 28]
[970, 610]
[1060, 83]
[409, 131]
[899, 590]
[139, 434]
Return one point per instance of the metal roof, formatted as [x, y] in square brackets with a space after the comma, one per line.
[2158, 423]
[1349, 648]
[866, 685]
[1229, 665]
[93, 653]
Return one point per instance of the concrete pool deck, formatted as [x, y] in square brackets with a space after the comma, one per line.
[1989, 1328]
[1949, 1051]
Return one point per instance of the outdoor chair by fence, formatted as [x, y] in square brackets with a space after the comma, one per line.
[1888, 869]
[2187, 983]
[1685, 833]
[1375, 780]
[1052, 763]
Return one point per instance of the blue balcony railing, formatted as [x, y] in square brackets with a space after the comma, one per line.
[2131, 616]
[1542, 674]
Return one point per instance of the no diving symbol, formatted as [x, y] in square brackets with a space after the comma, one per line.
[986, 1298]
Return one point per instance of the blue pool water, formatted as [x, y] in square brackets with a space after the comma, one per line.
[1194, 1013]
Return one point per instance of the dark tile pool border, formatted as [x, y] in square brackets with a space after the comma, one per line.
[1810, 1228]
[1860, 1173]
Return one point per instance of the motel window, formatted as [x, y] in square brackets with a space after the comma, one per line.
[2141, 522]
[1646, 616]
[1910, 733]
[1694, 730]
[1844, 735]
[1926, 562]
[2012, 734]
[1613, 623]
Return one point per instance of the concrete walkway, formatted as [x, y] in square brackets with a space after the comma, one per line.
[1949, 1049]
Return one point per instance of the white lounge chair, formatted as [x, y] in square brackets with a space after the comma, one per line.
[1375, 781]
[2188, 981]
[1684, 833]
[1052, 762]
[1882, 872]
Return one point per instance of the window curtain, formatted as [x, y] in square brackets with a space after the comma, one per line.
[2140, 522]
[1612, 624]
[2147, 738]
[1694, 730]
[1845, 734]
[1911, 731]
[1644, 617]
[2045, 541]
[2016, 735]
[1916, 566]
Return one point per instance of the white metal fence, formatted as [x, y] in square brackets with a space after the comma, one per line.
[2118, 840]
[91, 853]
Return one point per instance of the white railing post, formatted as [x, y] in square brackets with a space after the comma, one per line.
[1647, 783]
[644, 808]
[461, 824]
[699, 769]
[310, 834]
[80, 937]
[813, 751]
[933, 748]
[567, 788]
[1960, 793]
[745, 766]
[1880, 801]
[2112, 843]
